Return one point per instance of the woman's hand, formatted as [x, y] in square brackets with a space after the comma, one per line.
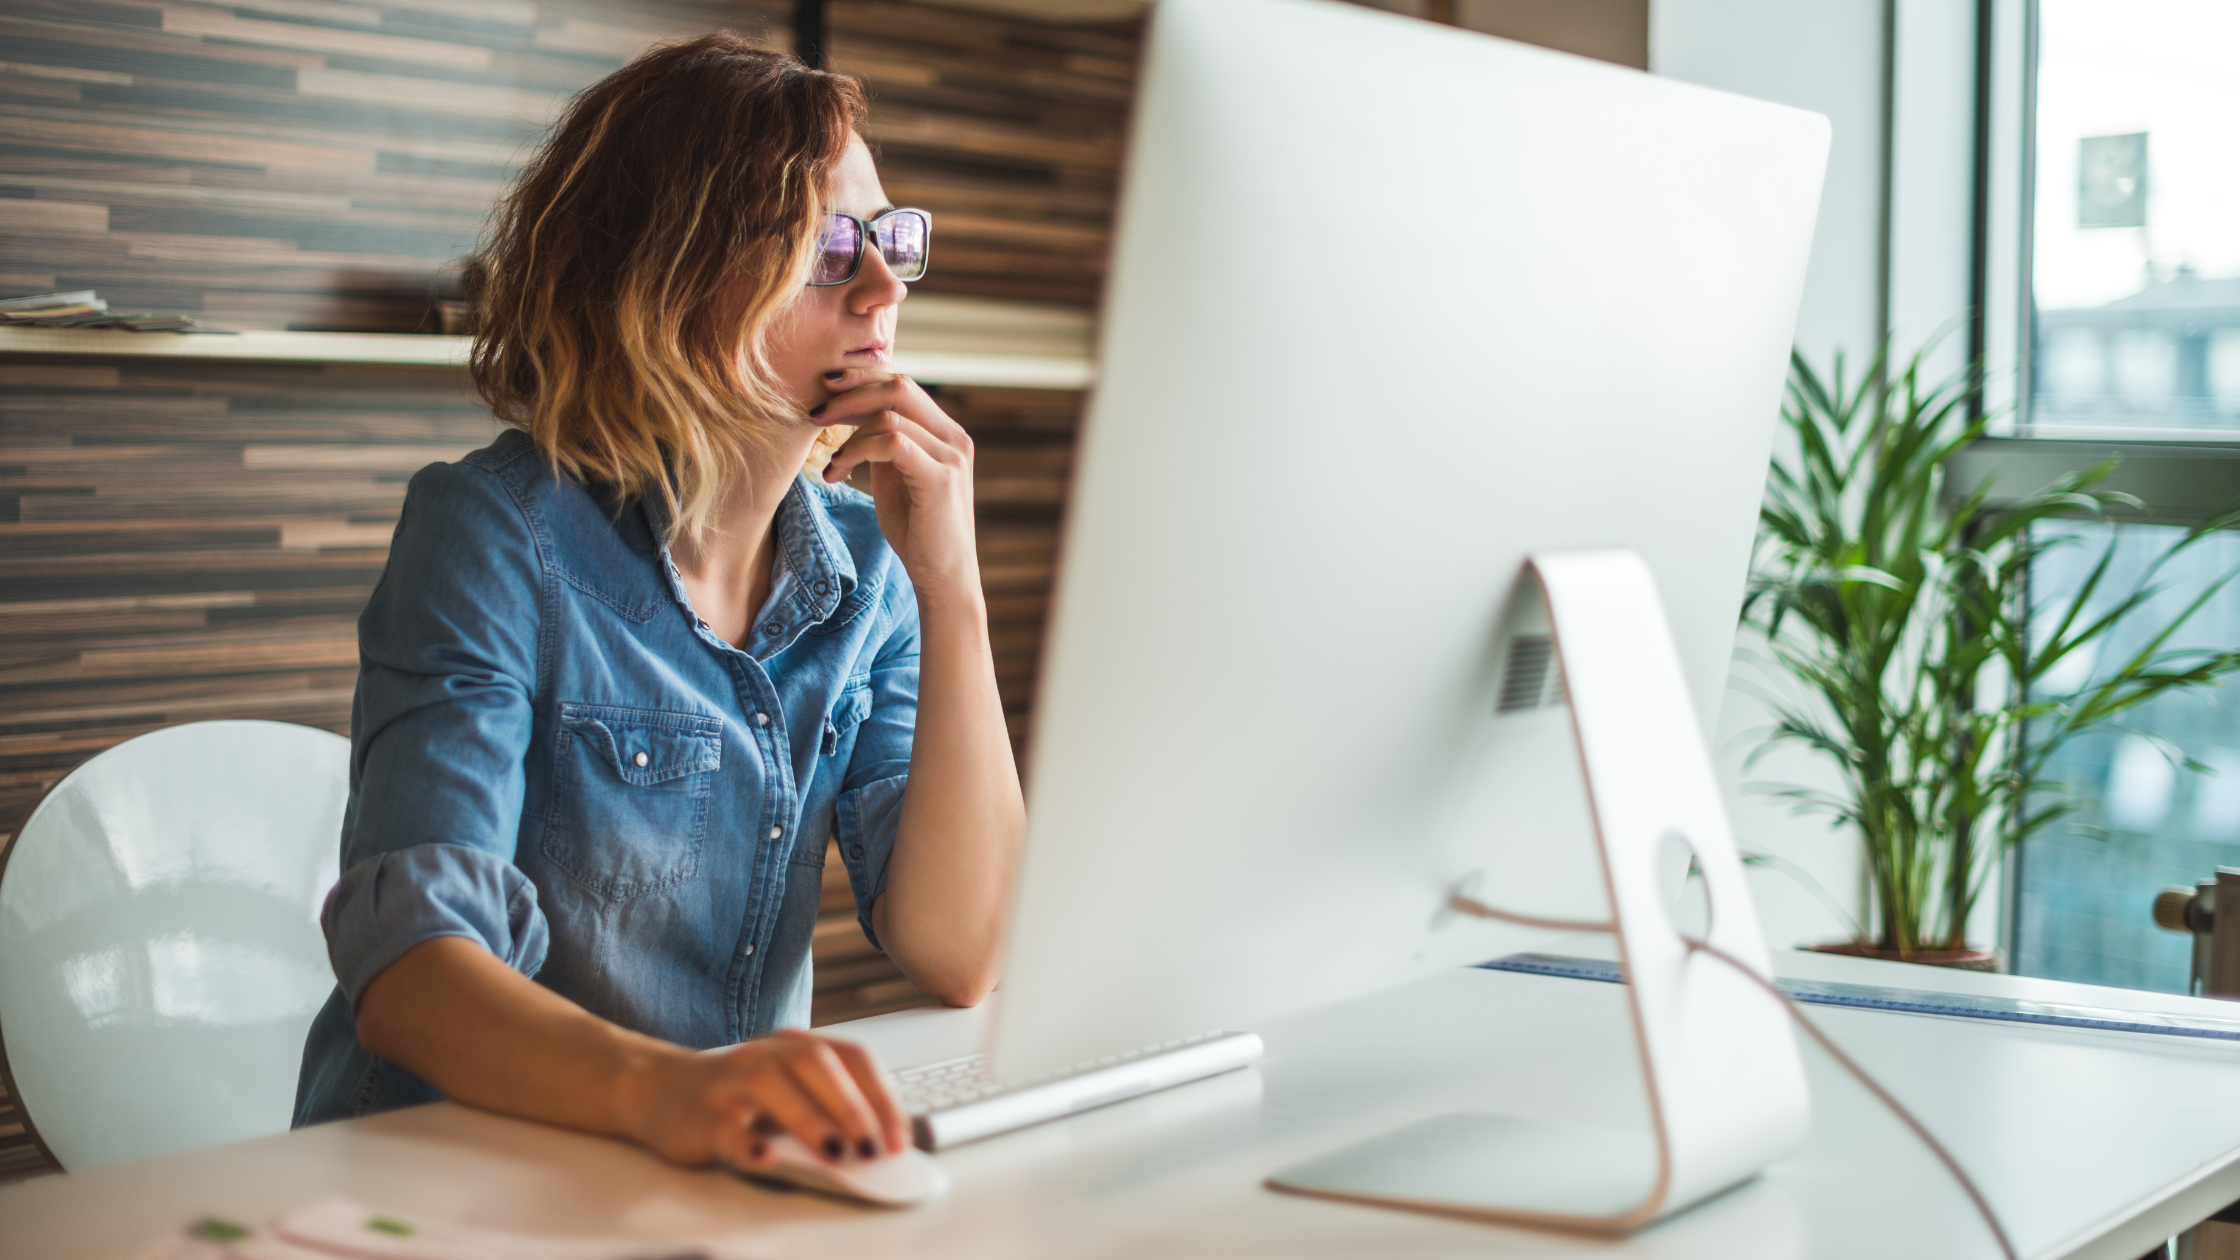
[726, 1103]
[921, 476]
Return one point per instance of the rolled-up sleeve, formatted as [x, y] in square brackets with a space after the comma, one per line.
[448, 659]
[392, 901]
[869, 808]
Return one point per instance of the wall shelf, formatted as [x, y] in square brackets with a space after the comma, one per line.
[948, 341]
[266, 347]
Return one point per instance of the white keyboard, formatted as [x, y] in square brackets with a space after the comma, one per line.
[956, 1101]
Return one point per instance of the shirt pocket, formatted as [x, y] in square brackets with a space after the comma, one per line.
[630, 796]
[848, 712]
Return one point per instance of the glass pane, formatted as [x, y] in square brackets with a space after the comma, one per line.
[2136, 236]
[837, 250]
[902, 239]
[2145, 821]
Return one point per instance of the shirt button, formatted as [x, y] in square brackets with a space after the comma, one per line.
[771, 627]
[777, 833]
[750, 951]
[762, 719]
[855, 851]
[641, 760]
[822, 587]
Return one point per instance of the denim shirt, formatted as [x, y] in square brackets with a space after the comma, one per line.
[553, 757]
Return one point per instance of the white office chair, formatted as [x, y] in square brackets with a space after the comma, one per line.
[160, 953]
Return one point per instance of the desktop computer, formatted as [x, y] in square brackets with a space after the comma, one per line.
[1437, 381]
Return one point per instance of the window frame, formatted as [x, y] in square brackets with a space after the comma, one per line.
[2179, 479]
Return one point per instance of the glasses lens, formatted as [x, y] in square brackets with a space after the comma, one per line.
[837, 250]
[904, 236]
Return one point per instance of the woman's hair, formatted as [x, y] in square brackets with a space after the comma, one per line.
[635, 269]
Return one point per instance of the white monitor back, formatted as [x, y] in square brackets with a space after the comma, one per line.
[1392, 305]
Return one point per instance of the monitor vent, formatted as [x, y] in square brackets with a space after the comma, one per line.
[1532, 679]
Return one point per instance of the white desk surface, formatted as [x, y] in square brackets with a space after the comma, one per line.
[2091, 1144]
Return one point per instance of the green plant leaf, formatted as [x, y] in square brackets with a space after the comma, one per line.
[1899, 605]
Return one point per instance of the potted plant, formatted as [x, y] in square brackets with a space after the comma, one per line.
[1929, 674]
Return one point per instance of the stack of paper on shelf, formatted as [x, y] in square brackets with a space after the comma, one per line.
[81, 309]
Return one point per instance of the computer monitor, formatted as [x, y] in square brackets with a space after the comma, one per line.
[1392, 307]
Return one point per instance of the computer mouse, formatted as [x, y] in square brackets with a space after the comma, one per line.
[904, 1179]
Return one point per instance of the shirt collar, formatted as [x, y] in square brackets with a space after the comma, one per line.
[813, 573]
[811, 552]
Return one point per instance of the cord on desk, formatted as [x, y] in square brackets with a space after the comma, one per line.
[1478, 909]
[1796, 1012]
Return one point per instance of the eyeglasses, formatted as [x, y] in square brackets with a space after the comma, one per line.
[903, 237]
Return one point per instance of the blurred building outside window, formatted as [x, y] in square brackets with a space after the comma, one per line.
[2135, 282]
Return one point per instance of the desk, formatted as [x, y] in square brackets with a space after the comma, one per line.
[2091, 1144]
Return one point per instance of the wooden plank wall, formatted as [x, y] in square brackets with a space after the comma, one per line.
[183, 541]
[1010, 132]
[312, 164]
[186, 541]
[287, 163]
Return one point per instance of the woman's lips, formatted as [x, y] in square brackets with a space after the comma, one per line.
[875, 351]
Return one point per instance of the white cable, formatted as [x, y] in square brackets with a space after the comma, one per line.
[1478, 909]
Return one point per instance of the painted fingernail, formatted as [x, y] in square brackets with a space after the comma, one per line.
[834, 1148]
[818, 410]
[867, 1148]
[835, 374]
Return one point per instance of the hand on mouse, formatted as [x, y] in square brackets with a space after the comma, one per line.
[921, 476]
[725, 1103]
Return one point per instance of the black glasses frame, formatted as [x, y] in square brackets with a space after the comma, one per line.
[868, 231]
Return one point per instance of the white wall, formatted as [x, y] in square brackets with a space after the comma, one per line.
[1826, 56]
[1821, 55]
[1896, 79]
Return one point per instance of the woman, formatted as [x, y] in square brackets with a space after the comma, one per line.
[629, 667]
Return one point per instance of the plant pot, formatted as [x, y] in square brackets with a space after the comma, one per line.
[1958, 959]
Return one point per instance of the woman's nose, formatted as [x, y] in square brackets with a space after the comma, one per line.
[875, 284]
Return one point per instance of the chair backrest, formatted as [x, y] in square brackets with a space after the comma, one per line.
[160, 953]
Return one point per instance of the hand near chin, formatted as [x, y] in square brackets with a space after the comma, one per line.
[921, 475]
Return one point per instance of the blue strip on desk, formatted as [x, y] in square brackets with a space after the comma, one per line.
[1918, 1001]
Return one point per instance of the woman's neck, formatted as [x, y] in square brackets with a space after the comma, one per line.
[727, 573]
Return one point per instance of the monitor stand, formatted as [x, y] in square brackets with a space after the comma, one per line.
[1726, 1089]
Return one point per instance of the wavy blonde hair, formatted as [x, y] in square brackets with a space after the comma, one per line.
[636, 268]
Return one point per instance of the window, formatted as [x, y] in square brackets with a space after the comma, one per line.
[2143, 820]
[2135, 271]
[2134, 280]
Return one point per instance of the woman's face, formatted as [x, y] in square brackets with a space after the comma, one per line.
[832, 327]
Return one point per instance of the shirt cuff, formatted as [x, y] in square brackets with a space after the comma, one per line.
[392, 901]
[867, 820]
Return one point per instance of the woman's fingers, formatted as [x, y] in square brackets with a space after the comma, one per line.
[859, 397]
[872, 1082]
[912, 455]
[779, 1094]
[731, 1104]
[825, 1078]
[738, 1142]
[894, 422]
